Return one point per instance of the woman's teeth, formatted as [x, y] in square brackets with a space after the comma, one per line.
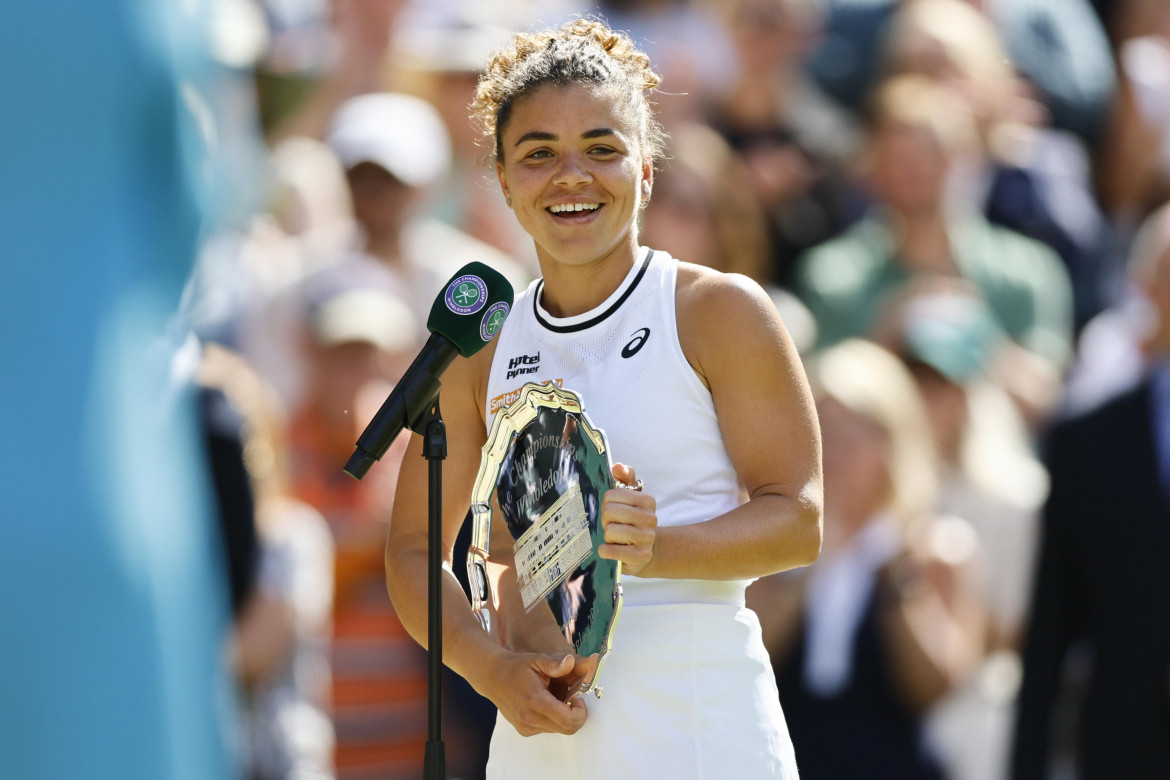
[567, 207]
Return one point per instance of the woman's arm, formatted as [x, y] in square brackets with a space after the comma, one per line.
[733, 337]
[516, 682]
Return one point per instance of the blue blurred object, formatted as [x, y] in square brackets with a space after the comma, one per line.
[1061, 46]
[112, 595]
[846, 62]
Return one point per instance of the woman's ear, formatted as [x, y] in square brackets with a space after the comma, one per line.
[503, 183]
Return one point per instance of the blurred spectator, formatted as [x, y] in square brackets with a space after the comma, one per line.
[704, 211]
[945, 332]
[686, 43]
[310, 227]
[947, 336]
[1127, 19]
[395, 148]
[281, 648]
[1110, 355]
[844, 62]
[311, 203]
[324, 52]
[441, 61]
[1102, 570]
[361, 315]
[1117, 346]
[794, 140]
[1059, 46]
[917, 135]
[326, 213]
[361, 337]
[888, 621]
[1062, 50]
[280, 645]
[1026, 175]
[1134, 170]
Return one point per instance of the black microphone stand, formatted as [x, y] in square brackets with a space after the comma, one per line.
[426, 420]
[435, 451]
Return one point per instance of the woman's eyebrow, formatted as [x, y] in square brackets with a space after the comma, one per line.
[535, 135]
[542, 135]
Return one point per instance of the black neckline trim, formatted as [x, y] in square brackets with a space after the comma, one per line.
[590, 322]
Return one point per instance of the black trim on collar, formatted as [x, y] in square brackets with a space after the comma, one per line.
[591, 322]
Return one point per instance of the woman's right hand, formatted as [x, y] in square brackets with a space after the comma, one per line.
[519, 685]
[630, 522]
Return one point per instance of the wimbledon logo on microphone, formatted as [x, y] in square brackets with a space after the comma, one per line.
[493, 320]
[466, 295]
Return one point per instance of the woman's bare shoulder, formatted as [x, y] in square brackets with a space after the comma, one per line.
[712, 304]
[700, 287]
[720, 315]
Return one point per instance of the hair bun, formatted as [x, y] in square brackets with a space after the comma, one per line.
[582, 51]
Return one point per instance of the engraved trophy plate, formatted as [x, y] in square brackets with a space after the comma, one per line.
[545, 467]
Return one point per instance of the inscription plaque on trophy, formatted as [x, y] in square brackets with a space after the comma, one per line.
[543, 471]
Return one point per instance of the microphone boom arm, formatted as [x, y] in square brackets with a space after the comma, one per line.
[407, 405]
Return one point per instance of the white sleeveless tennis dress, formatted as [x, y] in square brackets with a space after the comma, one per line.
[689, 689]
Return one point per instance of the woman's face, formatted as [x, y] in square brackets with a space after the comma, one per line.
[573, 167]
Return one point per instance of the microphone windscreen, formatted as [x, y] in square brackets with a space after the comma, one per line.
[471, 308]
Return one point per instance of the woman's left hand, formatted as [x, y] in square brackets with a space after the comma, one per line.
[629, 521]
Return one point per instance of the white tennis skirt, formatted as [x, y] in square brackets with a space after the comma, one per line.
[689, 692]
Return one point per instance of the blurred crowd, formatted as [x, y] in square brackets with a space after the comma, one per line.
[960, 210]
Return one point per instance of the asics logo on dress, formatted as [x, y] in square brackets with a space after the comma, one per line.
[523, 364]
[639, 338]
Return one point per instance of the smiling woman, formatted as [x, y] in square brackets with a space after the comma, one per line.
[574, 170]
[575, 143]
[696, 383]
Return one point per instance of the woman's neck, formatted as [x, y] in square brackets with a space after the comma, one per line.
[570, 290]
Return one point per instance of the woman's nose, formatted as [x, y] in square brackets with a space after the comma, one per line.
[573, 171]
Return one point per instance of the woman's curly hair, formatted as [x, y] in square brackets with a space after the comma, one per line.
[583, 51]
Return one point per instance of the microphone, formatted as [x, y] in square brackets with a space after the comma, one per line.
[465, 316]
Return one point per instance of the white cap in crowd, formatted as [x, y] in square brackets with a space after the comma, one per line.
[358, 299]
[400, 133]
[366, 315]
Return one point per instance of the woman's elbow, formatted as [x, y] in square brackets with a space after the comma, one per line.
[796, 540]
[808, 529]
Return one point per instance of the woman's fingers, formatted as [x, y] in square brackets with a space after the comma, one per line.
[629, 521]
[628, 532]
[584, 668]
[529, 704]
[624, 475]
